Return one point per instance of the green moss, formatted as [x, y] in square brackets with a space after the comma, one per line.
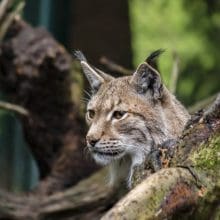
[208, 155]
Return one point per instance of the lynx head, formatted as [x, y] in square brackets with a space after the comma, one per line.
[126, 115]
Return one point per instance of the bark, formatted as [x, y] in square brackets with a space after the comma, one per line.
[37, 74]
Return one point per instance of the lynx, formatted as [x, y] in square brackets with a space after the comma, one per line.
[128, 116]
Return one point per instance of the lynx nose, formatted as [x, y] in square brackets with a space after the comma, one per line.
[92, 142]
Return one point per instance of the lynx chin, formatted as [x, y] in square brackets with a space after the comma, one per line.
[129, 115]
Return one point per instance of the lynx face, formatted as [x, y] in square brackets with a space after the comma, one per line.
[129, 116]
[117, 125]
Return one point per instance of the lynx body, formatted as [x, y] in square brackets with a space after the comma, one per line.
[128, 116]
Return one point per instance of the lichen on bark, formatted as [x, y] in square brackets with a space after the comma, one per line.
[208, 158]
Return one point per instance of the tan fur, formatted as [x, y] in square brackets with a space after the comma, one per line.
[146, 121]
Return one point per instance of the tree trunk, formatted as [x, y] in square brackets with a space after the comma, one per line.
[37, 74]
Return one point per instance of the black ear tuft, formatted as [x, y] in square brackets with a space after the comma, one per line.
[146, 77]
[79, 55]
[152, 59]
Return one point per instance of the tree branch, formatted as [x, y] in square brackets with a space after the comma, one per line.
[14, 108]
[202, 104]
[114, 66]
[4, 5]
[175, 73]
[10, 16]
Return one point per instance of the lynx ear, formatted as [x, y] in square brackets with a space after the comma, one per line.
[104, 75]
[147, 79]
[95, 77]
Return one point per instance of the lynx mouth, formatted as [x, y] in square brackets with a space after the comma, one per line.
[108, 153]
[105, 157]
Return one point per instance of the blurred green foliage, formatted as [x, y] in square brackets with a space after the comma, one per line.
[190, 28]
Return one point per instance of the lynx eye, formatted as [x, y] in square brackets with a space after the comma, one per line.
[118, 114]
[91, 114]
